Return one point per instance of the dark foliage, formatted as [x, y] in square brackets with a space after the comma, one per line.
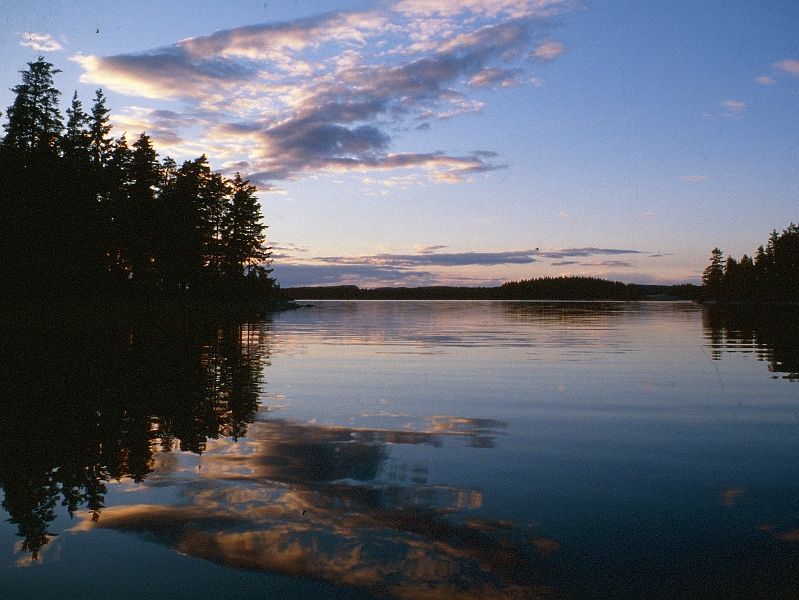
[546, 288]
[84, 216]
[92, 395]
[568, 288]
[772, 276]
[773, 334]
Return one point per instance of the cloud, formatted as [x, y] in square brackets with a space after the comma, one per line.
[430, 249]
[427, 266]
[327, 93]
[379, 270]
[584, 252]
[163, 126]
[514, 8]
[493, 76]
[608, 263]
[427, 258]
[40, 42]
[788, 67]
[547, 51]
[735, 108]
[294, 274]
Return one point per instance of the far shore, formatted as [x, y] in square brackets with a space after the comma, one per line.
[562, 288]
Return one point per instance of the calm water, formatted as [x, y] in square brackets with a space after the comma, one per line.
[407, 450]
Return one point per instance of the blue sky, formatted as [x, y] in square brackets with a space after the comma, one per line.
[417, 142]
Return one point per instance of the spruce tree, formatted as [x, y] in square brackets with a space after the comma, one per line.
[713, 275]
[99, 131]
[244, 230]
[34, 120]
[34, 228]
[143, 185]
[76, 140]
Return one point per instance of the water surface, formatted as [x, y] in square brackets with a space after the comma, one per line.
[408, 449]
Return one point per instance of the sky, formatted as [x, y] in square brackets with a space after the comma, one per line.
[472, 142]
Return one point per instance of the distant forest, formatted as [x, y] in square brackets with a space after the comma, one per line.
[545, 288]
[87, 216]
[771, 276]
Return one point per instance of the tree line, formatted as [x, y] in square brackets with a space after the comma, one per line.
[771, 276]
[86, 214]
[543, 288]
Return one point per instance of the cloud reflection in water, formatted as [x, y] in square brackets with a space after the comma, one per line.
[313, 501]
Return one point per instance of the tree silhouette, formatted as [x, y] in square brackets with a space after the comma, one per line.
[141, 211]
[34, 121]
[99, 129]
[243, 231]
[85, 215]
[713, 274]
[772, 276]
[76, 141]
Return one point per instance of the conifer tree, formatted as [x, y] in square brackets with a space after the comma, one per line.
[33, 228]
[713, 274]
[99, 129]
[143, 184]
[34, 120]
[244, 230]
[76, 141]
[118, 217]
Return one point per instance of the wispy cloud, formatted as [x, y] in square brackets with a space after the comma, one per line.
[427, 258]
[492, 76]
[41, 42]
[788, 67]
[428, 266]
[585, 251]
[735, 108]
[547, 51]
[608, 264]
[326, 94]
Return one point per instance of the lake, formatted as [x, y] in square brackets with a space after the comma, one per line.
[404, 450]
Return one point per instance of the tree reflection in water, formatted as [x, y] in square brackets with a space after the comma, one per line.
[89, 401]
[771, 332]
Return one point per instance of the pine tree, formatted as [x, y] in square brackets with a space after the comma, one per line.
[34, 121]
[186, 227]
[243, 230]
[99, 129]
[118, 218]
[713, 275]
[215, 205]
[76, 140]
[34, 228]
[143, 185]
